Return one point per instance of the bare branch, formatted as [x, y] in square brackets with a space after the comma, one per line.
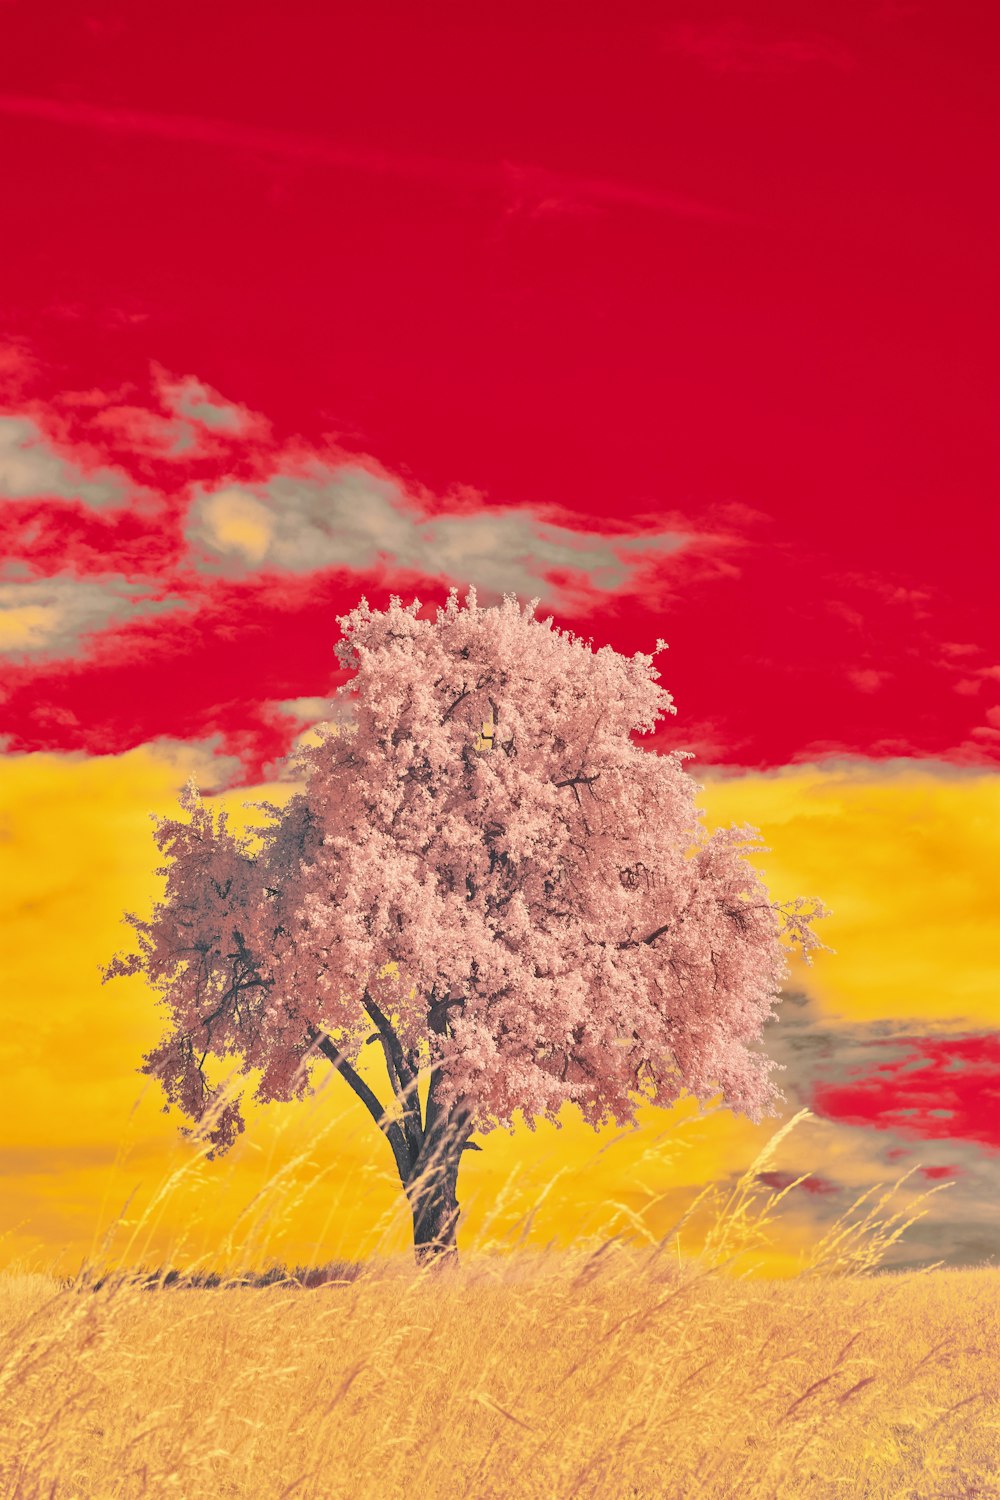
[631, 942]
[389, 1128]
[452, 707]
[579, 780]
[437, 1021]
[401, 1077]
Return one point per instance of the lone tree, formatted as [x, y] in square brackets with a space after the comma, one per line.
[487, 878]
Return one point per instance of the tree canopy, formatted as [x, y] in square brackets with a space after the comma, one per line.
[484, 874]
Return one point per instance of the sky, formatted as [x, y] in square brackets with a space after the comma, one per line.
[682, 319]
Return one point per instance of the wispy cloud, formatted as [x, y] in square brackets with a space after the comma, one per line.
[346, 516]
[867, 679]
[49, 616]
[17, 365]
[735, 46]
[30, 467]
[308, 511]
[907, 1091]
[501, 177]
[536, 193]
[183, 420]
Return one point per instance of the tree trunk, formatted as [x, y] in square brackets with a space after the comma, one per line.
[427, 1153]
[434, 1205]
[432, 1183]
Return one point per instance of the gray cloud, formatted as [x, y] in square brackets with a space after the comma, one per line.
[959, 1245]
[349, 518]
[961, 1226]
[49, 616]
[202, 758]
[316, 711]
[849, 767]
[198, 404]
[30, 468]
[202, 419]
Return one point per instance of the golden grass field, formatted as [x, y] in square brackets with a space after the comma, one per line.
[624, 1371]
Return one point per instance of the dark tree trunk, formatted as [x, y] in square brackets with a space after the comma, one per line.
[428, 1152]
[431, 1187]
[434, 1206]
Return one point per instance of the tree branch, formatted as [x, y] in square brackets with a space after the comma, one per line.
[389, 1128]
[437, 1023]
[446, 1131]
[632, 942]
[579, 780]
[402, 1079]
[393, 1049]
[452, 707]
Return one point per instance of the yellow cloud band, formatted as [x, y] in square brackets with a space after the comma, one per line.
[903, 856]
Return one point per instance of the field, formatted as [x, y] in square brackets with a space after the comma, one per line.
[625, 1372]
[607, 1380]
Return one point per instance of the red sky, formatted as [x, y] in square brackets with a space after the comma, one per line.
[683, 318]
[626, 267]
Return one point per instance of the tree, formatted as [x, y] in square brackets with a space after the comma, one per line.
[487, 878]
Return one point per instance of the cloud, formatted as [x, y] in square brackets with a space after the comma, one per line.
[316, 709]
[178, 419]
[85, 852]
[970, 685]
[198, 403]
[351, 518]
[905, 858]
[867, 679]
[982, 740]
[959, 648]
[204, 759]
[735, 46]
[940, 1088]
[17, 366]
[901, 1128]
[296, 146]
[310, 511]
[31, 468]
[50, 616]
[535, 193]
[53, 1161]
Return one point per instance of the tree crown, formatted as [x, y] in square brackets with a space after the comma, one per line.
[487, 867]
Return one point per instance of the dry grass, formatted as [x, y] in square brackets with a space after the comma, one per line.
[617, 1373]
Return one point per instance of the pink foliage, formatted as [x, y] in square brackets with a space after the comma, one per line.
[562, 926]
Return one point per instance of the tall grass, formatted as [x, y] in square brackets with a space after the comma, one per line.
[615, 1370]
